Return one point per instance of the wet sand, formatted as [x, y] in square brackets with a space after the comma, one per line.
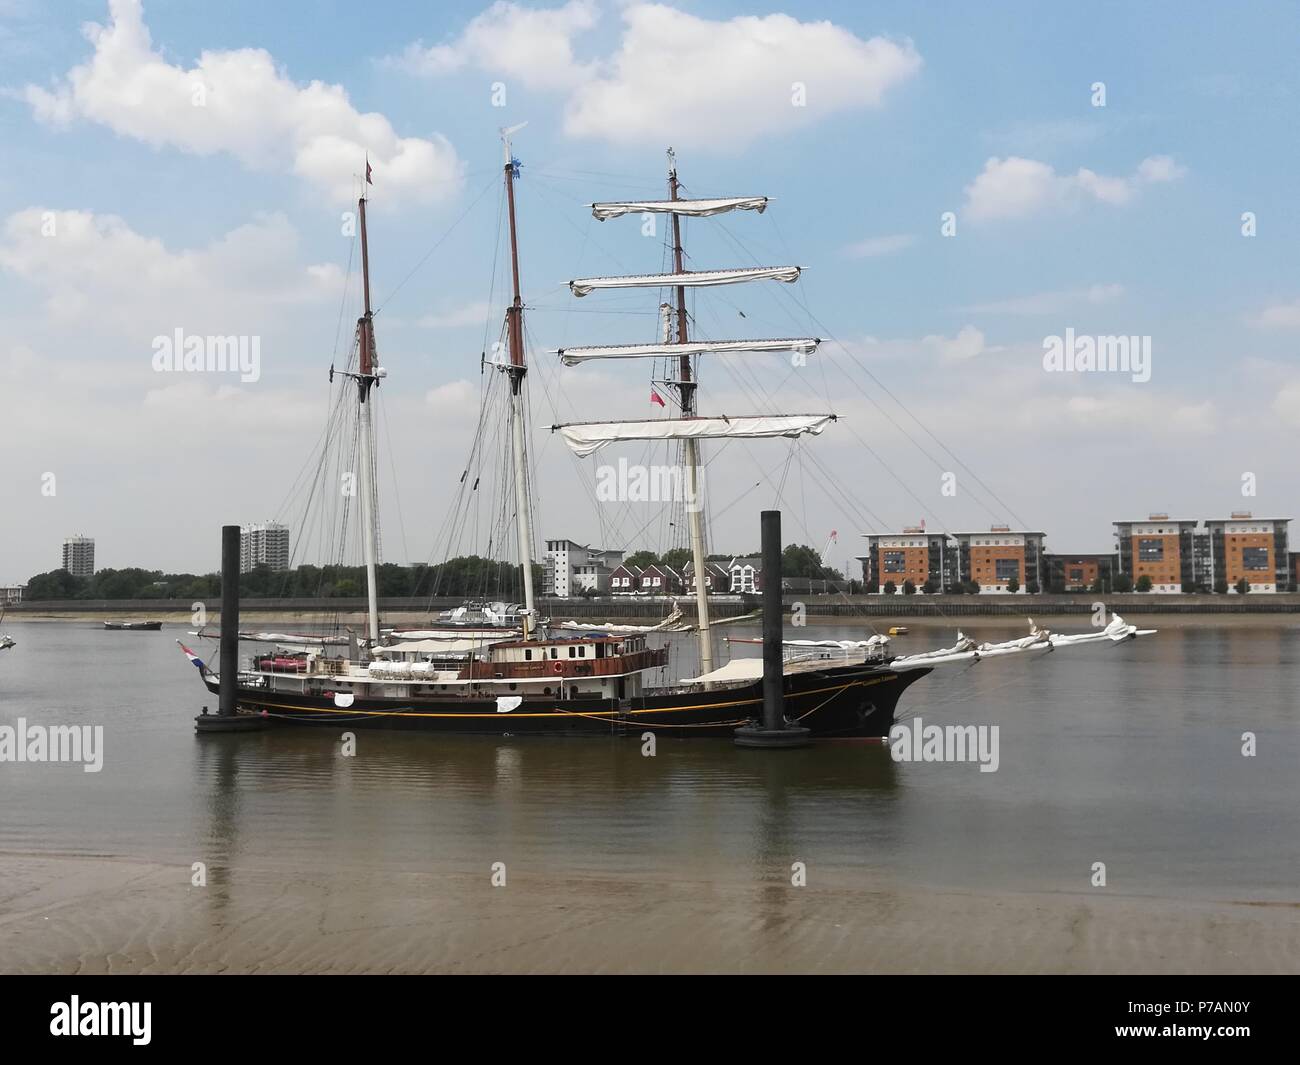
[1014, 615]
[75, 915]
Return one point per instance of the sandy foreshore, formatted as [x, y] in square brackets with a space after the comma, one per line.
[281, 621]
[75, 915]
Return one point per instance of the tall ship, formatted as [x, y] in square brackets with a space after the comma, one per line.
[500, 668]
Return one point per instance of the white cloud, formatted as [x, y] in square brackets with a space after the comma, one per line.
[1050, 302]
[1157, 169]
[1279, 316]
[967, 344]
[877, 246]
[727, 83]
[470, 314]
[453, 398]
[1138, 409]
[713, 83]
[239, 102]
[1015, 187]
[509, 41]
[95, 269]
[1286, 404]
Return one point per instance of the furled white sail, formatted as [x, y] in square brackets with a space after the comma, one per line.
[688, 208]
[587, 438]
[687, 279]
[803, 345]
[965, 650]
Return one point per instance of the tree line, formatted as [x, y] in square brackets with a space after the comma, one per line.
[469, 576]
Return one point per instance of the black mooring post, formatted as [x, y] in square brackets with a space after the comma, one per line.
[774, 730]
[225, 719]
[229, 619]
[773, 627]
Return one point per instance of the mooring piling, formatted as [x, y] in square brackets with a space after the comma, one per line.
[774, 730]
[226, 719]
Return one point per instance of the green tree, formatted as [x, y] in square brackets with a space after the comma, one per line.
[677, 558]
[1242, 586]
[909, 588]
[1143, 584]
[641, 559]
[890, 588]
[800, 560]
[1013, 585]
[930, 587]
[1122, 583]
[56, 584]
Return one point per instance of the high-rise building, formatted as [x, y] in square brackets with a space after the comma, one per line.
[79, 556]
[264, 545]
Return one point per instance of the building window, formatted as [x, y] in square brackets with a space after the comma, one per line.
[1254, 558]
[894, 562]
[1151, 550]
[1006, 568]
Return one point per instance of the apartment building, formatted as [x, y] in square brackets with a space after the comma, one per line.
[1002, 558]
[569, 568]
[1188, 555]
[266, 544]
[79, 556]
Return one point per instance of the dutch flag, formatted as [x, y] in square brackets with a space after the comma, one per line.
[198, 662]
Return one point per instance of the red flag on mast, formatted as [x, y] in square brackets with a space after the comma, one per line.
[655, 397]
[368, 181]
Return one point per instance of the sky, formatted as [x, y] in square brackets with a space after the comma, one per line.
[961, 183]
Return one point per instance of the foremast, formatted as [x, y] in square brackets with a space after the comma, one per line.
[517, 369]
[686, 392]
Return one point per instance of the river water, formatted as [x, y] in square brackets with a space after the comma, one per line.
[1129, 755]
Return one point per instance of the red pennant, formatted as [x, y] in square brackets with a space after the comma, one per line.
[655, 397]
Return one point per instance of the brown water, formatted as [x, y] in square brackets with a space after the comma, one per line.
[1129, 755]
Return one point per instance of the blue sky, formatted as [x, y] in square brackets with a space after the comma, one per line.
[1122, 219]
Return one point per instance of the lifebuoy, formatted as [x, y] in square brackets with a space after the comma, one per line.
[559, 667]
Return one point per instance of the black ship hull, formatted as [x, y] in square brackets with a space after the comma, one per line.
[842, 701]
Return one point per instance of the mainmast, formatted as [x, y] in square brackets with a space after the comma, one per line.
[366, 379]
[517, 369]
[686, 390]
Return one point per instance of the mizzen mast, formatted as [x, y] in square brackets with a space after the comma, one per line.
[517, 369]
[366, 379]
